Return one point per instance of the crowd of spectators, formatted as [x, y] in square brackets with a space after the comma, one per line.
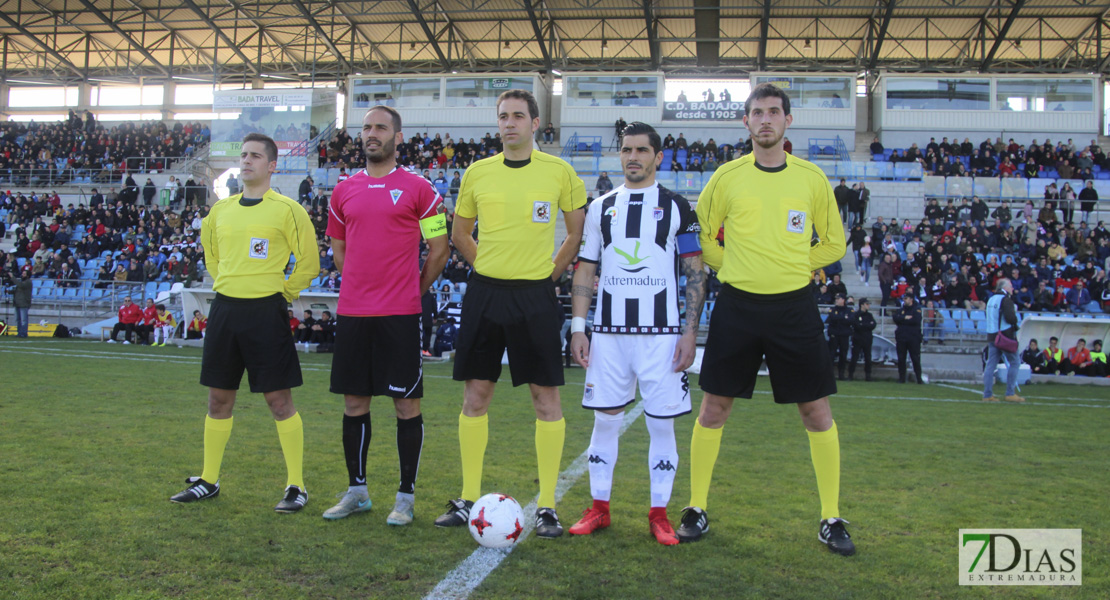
[37, 154]
[123, 242]
[416, 153]
[1061, 160]
[955, 255]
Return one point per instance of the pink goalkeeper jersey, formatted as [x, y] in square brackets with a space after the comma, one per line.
[380, 221]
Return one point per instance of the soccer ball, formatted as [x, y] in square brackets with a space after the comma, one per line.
[496, 521]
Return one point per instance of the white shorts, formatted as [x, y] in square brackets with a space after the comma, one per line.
[617, 361]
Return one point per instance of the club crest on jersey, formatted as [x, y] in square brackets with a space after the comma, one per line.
[589, 395]
[541, 212]
[796, 221]
[395, 195]
[260, 248]
[657, 212]
[611, 212]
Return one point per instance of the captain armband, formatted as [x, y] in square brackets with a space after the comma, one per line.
[434, 226]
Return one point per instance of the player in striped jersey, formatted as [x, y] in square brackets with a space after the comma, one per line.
[639, 233]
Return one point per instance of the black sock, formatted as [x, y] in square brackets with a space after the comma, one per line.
[356, 441]
[410, 440]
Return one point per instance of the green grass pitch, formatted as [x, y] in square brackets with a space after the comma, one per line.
[95, 438]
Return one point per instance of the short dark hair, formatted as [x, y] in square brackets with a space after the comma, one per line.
[638, 128]
[267, 141]
[396, 116]
[308, 311]
[525, 95]
[161, 307]
[767, 90]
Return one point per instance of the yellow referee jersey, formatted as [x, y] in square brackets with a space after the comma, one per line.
[246, 248]
[516, 208]
[770, 217]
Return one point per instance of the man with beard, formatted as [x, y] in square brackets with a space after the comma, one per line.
[376, 220]
[638, 334]
[780, 224]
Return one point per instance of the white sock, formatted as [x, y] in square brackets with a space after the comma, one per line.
[662, 459]
[603, 453]
[358, 489]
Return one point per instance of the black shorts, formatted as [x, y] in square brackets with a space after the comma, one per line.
[785, 328]
[378, 356]
[251, 334]
[523, 317]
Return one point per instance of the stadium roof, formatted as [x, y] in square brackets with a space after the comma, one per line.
[74, 40]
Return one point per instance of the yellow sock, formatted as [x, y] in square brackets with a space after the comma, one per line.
[705, 444]
[824, 448]
[216, 434]
[473, 436]
[291, 435]
[549, 453]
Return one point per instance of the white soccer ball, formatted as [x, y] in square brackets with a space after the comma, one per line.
[496, 521]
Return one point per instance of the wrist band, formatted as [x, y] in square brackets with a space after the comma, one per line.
[578, 325]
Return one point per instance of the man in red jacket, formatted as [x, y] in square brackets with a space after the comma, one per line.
[129, 317]
[1077, 360]
[144, 331]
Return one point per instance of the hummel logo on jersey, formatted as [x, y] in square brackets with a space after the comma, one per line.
[376, 186]
[664, 465]
[396, 195]
[595, 459]
[633, 259]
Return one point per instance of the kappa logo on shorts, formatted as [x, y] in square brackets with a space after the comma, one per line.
[541, 212]
[796, 221]
[260, 248]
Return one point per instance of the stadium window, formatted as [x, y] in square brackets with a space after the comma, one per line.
[152, 95]
[197, 116]
[557, 88]
[738, 89]
[814, 92]
[399, 93]
[130, 95]
[482, 91]
[192, 94]
[1040, 95]
[613, 90]
[861, 88]
[37, 118]
[926, 93]
[38, 97]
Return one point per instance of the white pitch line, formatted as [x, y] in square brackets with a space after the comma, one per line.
[169, 358]
[473, 570]
[1027, 403]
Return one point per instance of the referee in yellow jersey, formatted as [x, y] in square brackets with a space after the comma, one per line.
[247, 240]
[780, 224]
[510, 302]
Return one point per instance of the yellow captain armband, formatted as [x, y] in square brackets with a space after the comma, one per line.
[434, 226]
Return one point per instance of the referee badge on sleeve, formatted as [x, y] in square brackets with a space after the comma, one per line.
[541, 212]
[260, 248]
[796, 221]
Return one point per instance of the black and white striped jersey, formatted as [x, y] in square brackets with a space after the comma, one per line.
[637, 236]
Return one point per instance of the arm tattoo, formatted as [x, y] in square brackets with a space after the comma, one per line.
[582, 290]
[695, 292]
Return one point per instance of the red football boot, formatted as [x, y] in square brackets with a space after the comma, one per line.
[661, 527]
[593, 518]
